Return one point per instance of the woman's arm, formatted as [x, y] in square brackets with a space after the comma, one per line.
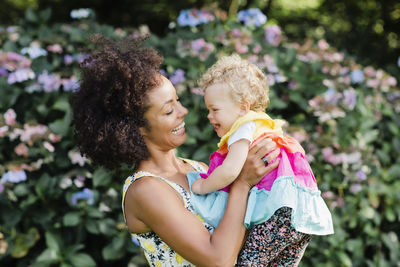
[227, 172]
[159, 207]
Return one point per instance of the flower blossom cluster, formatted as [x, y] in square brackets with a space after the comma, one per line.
[81, 13]
[194, 17]
[197, 48]
[252, 16]
[267, 63]
[85, 194]
[273, 34]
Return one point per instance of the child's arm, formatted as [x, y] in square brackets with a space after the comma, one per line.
[226, 173]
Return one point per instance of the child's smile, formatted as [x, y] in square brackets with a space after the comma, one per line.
[222, 110]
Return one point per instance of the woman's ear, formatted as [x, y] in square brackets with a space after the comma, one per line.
[244, 107]
[142, 131]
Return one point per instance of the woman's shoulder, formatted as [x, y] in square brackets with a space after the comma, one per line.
[145, 186]
[197, 165]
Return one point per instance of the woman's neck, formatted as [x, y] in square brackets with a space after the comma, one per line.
[160, 162]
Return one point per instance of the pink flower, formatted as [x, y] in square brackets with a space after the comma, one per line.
[3, 130]
[370, 71]
[355, 188]
[241, 49]
[197, 91]
[328, 195]
[257, 49]
[76, 158]
[374, 83]
[54, 138]
[323, 45]
[48, 146]
[55, 48]
[236, 33]
[10, 116]
[21, 150]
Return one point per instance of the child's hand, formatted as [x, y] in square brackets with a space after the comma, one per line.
[254, 168]
[196, 186]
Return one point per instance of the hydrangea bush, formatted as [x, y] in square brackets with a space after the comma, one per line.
[57, 209]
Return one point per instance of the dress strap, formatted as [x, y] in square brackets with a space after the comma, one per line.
[195, 165]
[137, 175]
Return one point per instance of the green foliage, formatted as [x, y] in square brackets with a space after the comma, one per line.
[66, 212]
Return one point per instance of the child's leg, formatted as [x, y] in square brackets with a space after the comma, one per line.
[268, 240]
[292, 254]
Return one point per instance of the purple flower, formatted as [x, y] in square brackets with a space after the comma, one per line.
[85, 194]
[68, 59]
[3, 72]
[331, 97]
[49, 82]
[163, 73]
[361, 176]
[252, 16]
[198, 44]
[70, 84]
[14, 56]
[357, 76]
[355, 188]
[13, 176]
[350, 98]
[273, 34]
[177, 77]
[11, 29]
[20, 75]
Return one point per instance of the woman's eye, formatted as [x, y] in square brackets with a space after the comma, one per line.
[169, 113]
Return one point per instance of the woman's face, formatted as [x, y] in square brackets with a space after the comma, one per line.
[166, 118]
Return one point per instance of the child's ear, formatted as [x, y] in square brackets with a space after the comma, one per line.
[244, 107]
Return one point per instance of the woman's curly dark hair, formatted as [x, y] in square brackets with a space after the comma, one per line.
[108, 108]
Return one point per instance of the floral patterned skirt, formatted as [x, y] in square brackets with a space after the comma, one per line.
[274, 242]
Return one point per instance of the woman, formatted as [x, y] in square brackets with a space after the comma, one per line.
[127, 112]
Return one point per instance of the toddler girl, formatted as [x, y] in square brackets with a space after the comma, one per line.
[285, 207]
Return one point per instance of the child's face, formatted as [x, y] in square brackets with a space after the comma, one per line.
[223, 111]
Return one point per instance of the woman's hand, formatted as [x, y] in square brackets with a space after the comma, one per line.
[254, 168]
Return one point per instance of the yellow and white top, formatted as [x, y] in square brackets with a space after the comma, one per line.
[156, 251]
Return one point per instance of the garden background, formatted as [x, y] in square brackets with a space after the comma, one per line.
[333, 69]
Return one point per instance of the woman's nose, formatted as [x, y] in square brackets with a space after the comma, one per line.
[183, 110]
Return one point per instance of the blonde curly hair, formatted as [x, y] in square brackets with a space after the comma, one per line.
[245, 81]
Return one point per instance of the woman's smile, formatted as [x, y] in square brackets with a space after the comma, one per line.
[180, 130]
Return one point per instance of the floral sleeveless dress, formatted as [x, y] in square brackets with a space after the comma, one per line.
[156, 251]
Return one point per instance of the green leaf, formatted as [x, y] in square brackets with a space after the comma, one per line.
[101, 177]
[394, 172]
[72, 219]
[92, 226]
[114, 250]
[52, 242]
[30, 15]
[48, 255]
[82, 259]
